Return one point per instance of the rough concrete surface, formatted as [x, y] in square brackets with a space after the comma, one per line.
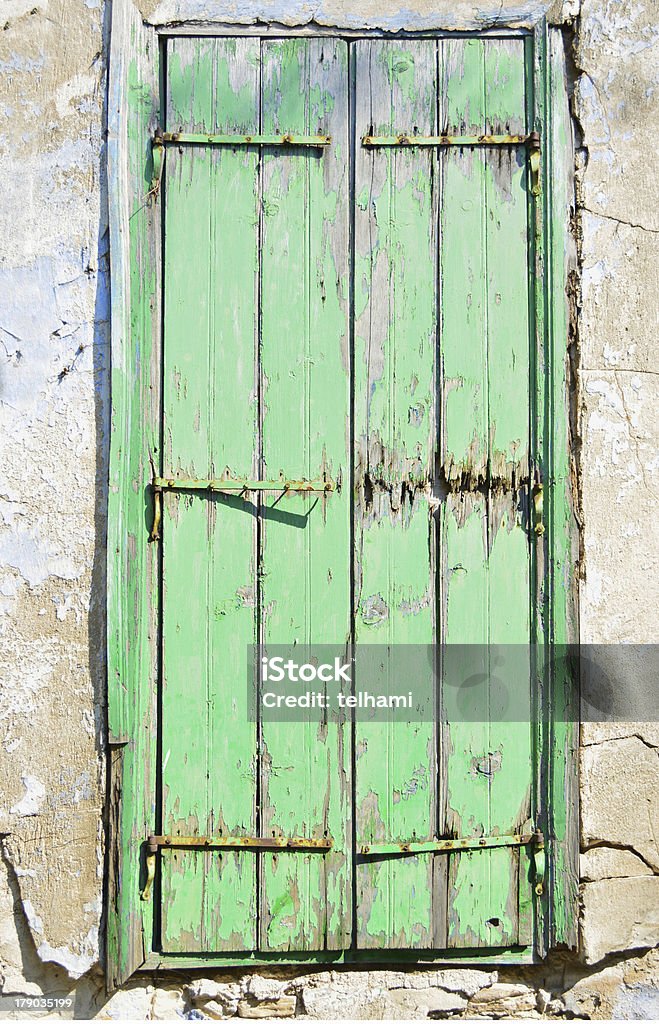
[53, 415]
[416, 15]
[54, 400]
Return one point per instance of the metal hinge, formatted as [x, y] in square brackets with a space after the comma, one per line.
[161, 139]
[528, 837]
[255, 843]
[538, 496]
[532, 141]
[241, 485]
[403, 139]
[202, 139]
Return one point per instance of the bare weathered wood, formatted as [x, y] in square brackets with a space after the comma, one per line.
[396, 204]
[305, 902]
[209, 541]
[135, 433]
[562, 738]
[485, 444]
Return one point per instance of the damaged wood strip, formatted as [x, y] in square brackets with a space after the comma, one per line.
[396, 214]
[209, 544]
[133, 607]
[485, 467]
[305, 902]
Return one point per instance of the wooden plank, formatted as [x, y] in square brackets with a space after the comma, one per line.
[510, 531]
[394, 431]
[209, 541]
[486, 546]
[135, 433]
[561, 531]
[464, 447]
[305, 596]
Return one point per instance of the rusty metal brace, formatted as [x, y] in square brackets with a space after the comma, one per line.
[161, 139]
[231, 486]
[157, 503]
[403, 139]
[534, 162]
[205, 139]
[538, 502]
[539, 862]
[158, 158]
[255, 843]
[528, 837]
[531, 141]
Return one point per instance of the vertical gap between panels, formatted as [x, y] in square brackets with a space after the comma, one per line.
[159, 462]
[352, 145]
[258, 556]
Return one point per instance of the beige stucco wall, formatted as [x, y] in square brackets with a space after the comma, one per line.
[54, 396]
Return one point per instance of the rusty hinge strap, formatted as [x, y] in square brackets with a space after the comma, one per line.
[534, 162]
[203, 139]
[161, 484]
[158, 159]
[282, 484]
[240, 843]
[532, 141]
[150, 875]
[538, 502]
[402, 139]
[539, 862]
[450, 845]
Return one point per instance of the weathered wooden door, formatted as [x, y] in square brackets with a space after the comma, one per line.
[359, 311]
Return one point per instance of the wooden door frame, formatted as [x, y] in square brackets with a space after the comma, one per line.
[133, 606]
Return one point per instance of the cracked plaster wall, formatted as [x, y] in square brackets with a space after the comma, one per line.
[54, 397]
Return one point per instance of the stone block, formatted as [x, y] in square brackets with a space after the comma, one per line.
[203, 991]
[343, 1001]
[596, 995]
[266, 988]
[620, 796]
[284, 1006]
[411, 1004]
[619, 914]
[167, 1004]
[467, 982]
[503, 1000]
[132, 1003]
[604, 862]
[216, 1010]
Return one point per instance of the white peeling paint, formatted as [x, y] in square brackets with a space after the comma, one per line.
[17, 8]
[32, 802]
[370, 14]
[75, 964]
[33, 919]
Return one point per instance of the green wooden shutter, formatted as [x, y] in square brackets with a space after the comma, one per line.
[442, 383]
[256, 386]
[371, 313]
